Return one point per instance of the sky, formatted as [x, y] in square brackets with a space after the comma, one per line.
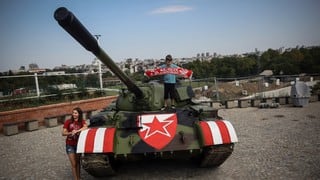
[151, 29]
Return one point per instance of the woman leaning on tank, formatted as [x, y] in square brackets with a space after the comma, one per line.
[72, 128]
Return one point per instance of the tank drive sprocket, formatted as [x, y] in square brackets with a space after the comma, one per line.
[97, 165]
[214, 156]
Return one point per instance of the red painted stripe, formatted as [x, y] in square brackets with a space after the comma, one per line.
[88, 148]
[207, 135]
[224, 132]
[108, 140]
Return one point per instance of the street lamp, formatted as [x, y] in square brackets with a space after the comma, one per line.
[97, 36]
[258, 54]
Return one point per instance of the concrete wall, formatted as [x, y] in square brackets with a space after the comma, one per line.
[39, 113]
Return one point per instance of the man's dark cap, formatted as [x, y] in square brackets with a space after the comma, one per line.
[168, 57]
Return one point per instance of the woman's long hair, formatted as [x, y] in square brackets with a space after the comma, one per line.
[80, 118]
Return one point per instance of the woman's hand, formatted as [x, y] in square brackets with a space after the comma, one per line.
[74, 132]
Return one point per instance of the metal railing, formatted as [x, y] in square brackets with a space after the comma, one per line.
[212, 87]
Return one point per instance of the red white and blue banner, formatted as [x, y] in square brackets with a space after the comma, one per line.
[157, 130]
[96, 140]
[185, 73]
[218, 132]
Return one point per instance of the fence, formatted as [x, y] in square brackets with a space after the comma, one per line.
[15, 88]
[36, 84]
[222, 89]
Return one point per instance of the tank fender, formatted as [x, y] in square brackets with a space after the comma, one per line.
[216, 132]
[96, 140]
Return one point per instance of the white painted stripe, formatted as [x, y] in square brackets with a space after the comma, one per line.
[215, 131]
[98, 140]
[232, 132]
[82, 141]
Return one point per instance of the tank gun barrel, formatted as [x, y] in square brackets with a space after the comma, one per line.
[73, 26]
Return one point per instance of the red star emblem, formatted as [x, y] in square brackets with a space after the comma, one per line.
[157, 126]
[157, 129]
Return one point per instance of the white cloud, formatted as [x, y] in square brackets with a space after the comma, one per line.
[171, 9]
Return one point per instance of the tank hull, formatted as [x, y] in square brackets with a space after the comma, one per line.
[174, 134]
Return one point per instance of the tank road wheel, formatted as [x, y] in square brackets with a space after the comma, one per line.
[214, 156]
[97, 165]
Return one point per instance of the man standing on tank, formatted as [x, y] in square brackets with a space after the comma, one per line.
[169, 83]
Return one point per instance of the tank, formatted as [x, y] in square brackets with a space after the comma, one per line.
[133, 128]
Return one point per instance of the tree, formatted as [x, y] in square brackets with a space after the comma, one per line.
[107, 74]
[245, 66]
[92, 80]
[267, 57]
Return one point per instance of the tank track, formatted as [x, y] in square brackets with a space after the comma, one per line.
[97, 165]
[214, 156]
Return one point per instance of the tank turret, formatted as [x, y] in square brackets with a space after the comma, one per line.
[143, 98]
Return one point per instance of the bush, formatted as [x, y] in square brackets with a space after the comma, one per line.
[315, 89]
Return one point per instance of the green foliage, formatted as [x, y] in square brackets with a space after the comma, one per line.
[107, 74]
[92, 80]
[316, 89]
[127, 72]
[83, 93]
[99, 93]
[290, 62]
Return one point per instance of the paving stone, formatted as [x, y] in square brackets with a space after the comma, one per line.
[281, 143]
